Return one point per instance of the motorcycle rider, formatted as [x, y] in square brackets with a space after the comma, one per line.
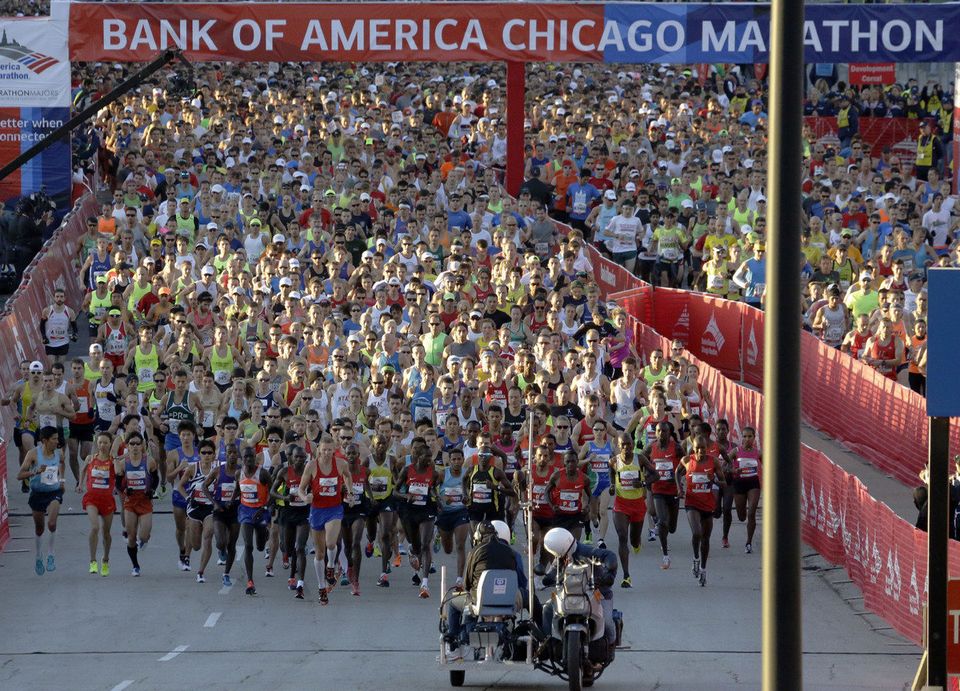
[564, 547]
[489, 552]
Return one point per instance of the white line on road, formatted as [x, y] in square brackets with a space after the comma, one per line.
[225, 589]
[173, 653]
[212, 620]
[122, 685]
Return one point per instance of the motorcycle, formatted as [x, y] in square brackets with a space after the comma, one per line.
[577, 649]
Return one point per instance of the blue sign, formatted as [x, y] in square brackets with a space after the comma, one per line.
[943, 343]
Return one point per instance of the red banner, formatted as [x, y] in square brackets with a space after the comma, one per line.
[877, 132]
[671, 313]
[4, 498]
[715, 326]
[337, 32]
[866, 74]
[751, 346]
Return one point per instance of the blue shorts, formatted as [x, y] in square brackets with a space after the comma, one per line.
[447, 521]
[179, 501]
[320, 517]
[247, 515]
[171, 442]
[603, 484]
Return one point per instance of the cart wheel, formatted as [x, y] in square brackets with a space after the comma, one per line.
[457, 676]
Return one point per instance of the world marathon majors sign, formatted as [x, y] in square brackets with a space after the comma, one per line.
[556, 32]
[34, 100]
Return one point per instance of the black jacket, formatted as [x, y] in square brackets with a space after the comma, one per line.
[492, 554]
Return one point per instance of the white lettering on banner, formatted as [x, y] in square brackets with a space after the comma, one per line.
[606, 276]
[895, 36]
[683, 321]
[712, 340]
[914, 599]
[803, 499]
[753, 350]
[171, 35]
[822, 514]
[833, 519]
[893, 582]
[954, 614]
[385, 35]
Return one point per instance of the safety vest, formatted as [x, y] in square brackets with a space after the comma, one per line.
[843, 117]
[925, 151]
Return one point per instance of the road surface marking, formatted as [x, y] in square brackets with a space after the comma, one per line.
[212, 620]
[173, 653]
[122, 685]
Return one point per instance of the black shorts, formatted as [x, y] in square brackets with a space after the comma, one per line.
[57, 351]
[568, 521]
[92, 329]
[544, 523]
[744, 486]
[351, 515]
[228, 516]
[18, 437]
[485, 512]
[101, 425]
[448, 521]
[39, 502]
[81, 432]
[415, 515]
[295, 515]
[389, 505]
[704, 515]
[199, 512]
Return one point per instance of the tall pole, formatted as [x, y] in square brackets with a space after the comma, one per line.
[782, 640]
[516, 113]
[938, 520]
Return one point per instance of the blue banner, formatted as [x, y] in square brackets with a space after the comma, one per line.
[669, 33]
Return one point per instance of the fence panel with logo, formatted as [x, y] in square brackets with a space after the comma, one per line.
[56, 266]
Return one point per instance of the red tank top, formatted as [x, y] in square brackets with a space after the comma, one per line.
[497, 394]
[293, 487]
[253, 493]
[326, 486]
[888, 351]
[418, 485]
[358, 478]
[84, 414]
[699, 478]
[859, 341]
[746, 464]
[568, 494]
[541, 505]
[100, 478]
[292, 391]
[666, 462]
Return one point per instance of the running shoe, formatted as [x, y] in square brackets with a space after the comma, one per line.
[433, 569]
[291, 583]
[725, 543]
[454, 654]
[377, 552]
[368, 550]
[414, 562]
[703, 577]
[93, 568]
[696, 568]
[402, 549]
[436, 545]
[424, 592]
[626, 583]
[186, 560]
[636, 550]
[748, 549]
[299, 595]
[162, 491]
[601, 544]
[383, 581]
[588, 539]
[124, 533]
[200, 578]
[51, 564]
[513, 538]
[227, 583]
[141, 545]
[221, 557]
[665, 564]
[330, 577]
[285, 563]
[355, 589]
[135, 572]
[652, 535]
[397, 559]
[344, 580]
[324, 599]
[268, 572]
[251, 590]
[266, 554]
[105, 569]
[415, 579]
[182, 565]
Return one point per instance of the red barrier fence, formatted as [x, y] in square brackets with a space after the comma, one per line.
[885, 556]
[900, 134]
[56, 266]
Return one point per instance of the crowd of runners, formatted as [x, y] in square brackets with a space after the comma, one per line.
[317, 320]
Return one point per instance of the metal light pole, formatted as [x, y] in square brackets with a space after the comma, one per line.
[782, 640]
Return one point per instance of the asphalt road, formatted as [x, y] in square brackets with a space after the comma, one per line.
[69, 629]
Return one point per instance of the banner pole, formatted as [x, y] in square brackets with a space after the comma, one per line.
[782, 640]
[516, 113]
[938, 521]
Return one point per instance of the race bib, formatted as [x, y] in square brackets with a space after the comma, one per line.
[83, 406]
[758, 289]
[145, 373]
[378, 484]
[699, 482]
[137, 479]
[100, 478]
[580, 202]
[327, 486]
[47, 420]
[227, 490]
[665, 470]
[221, 377]
[569, 500]
[671, 254]
[208, 418]
[541, 248]
[481, 494]
[50, 475]
[748, 467]
[715, 282]
[454, 495]
[834, 333]
[418, 493]
[358, 490]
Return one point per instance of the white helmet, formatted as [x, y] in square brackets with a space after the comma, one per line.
[559, 542]
[503, 530]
